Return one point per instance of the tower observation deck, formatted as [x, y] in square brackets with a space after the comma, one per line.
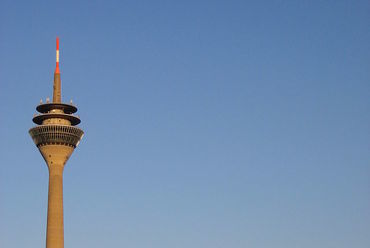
[56, 136]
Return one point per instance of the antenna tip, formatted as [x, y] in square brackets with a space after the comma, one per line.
[57, 43]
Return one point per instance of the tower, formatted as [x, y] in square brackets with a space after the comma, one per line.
[56, 136]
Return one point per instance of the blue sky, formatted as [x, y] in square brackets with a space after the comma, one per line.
[207, 123]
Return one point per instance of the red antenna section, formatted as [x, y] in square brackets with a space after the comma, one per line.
[57, 57]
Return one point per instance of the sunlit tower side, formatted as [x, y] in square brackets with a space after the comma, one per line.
[56, 136]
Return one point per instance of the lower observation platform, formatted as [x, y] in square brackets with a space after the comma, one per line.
[56, 134]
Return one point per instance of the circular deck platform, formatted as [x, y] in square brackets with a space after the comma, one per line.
[38, 119]
[67, 108]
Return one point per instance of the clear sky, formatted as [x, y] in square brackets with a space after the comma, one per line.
[208, 124]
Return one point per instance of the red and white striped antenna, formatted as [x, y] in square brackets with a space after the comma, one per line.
[57, 90]
[57, 57]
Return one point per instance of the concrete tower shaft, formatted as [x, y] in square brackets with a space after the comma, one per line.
[56, 137]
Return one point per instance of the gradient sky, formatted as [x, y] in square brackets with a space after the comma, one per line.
[208, 124]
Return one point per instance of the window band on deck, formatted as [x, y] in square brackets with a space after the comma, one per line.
[56, 134]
